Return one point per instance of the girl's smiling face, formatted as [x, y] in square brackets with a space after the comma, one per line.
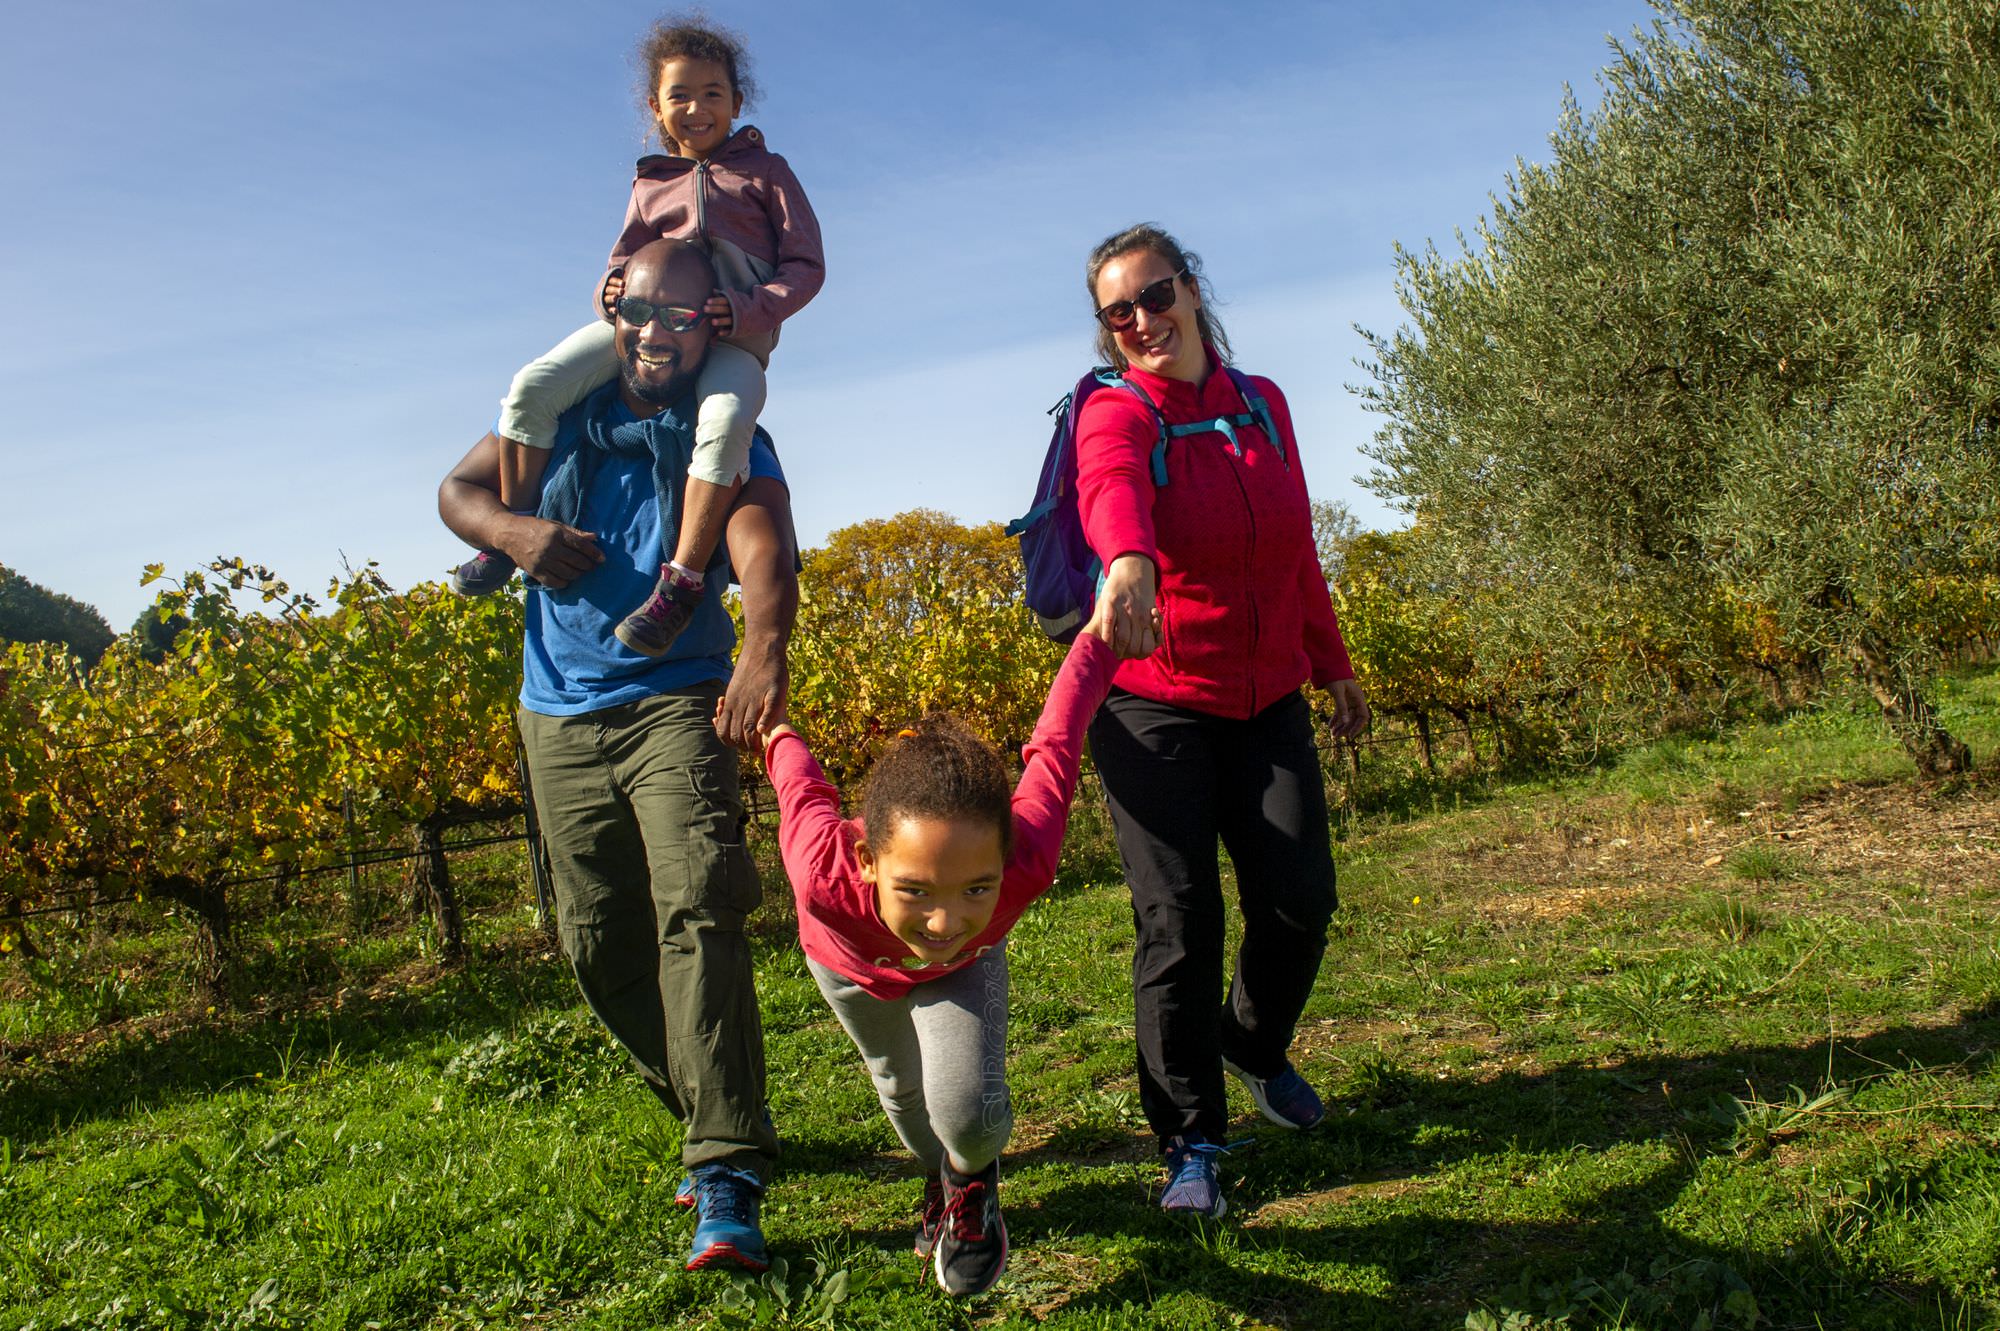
[696, 104]
[1168, 343]
[937, 882]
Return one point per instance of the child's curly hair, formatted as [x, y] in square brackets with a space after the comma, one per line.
[938, 769]
[691, 36]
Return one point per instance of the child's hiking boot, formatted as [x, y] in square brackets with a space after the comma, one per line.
[485, 572]
[971, 1249]
[726, 1200]
[1193, 1185]
[929, 1217]
[1284, 1097]
[652, 628]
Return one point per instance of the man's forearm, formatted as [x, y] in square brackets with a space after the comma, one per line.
[469, 498]
[764, 551]
[768, 581]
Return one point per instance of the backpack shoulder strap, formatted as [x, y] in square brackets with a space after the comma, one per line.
[1110, 379]
[1258, 409]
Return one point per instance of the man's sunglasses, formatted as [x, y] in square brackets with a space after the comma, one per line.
[677, 318]
[1155, 299]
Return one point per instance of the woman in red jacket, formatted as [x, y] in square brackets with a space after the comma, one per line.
[1213, 580]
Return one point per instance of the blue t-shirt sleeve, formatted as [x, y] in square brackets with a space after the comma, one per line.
[764, 459]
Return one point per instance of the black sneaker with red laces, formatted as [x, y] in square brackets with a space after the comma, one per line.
[971, 1249]
[929, 1217]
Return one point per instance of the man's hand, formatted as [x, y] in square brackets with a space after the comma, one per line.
[1350, 708]
[1130, 597]
[754, 703]
[720, 316]
[551, 553]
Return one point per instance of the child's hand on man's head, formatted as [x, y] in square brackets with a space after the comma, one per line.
[614, 291]
[720, 317]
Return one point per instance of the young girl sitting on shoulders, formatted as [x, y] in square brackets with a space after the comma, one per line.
[904, 915]
[716, 184]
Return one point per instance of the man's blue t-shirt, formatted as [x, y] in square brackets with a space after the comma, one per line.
[572, 663]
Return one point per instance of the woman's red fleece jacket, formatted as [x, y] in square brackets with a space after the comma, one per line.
[1245, 613]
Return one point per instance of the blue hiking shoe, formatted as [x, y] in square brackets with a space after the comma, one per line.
[652, 628]
[485, 572]
[684, 1191]
[1283, 1097]
[1192, 1182]
[727, 1200]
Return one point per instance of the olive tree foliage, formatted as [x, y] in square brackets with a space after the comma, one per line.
[1738, 342]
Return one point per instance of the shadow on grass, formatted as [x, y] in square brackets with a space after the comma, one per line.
[137, 1069]
[1411, 1270]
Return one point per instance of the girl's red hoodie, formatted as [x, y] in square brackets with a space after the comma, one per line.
[840, 926]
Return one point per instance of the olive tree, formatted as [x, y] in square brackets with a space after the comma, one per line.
[1738, 340]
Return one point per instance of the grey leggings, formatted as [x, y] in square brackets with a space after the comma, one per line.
[938, 1056]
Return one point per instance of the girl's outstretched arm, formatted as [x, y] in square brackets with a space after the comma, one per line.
[811, 833]
[1054, 758]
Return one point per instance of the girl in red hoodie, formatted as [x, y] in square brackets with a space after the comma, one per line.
[904, 915]
[1214, 581]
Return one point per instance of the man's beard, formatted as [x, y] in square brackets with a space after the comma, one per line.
[660, 394]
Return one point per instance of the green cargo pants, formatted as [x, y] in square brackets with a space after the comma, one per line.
[640, 809]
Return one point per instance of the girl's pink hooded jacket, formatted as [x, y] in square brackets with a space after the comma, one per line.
[745, 204]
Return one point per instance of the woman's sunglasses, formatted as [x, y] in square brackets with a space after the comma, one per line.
[1155, 299]
[677, 318]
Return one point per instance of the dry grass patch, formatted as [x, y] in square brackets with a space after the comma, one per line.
[1603, 854]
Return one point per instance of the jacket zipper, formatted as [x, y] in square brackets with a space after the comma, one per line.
[1249, 575]
[701, 200]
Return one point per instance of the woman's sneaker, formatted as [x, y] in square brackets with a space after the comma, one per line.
[930, 1217]
[726, 1199]
[1283, 1097]
[485, 572]
[652, 628]
[971, 1249]
[1193, 1185]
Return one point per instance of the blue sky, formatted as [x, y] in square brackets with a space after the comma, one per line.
[265, 268]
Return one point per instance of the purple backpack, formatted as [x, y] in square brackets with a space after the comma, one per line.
[1063, 573]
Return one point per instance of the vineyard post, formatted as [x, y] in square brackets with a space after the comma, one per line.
[357, 916]
[206, 898]
[1463, 715]
[1423, 717]
[431, 889]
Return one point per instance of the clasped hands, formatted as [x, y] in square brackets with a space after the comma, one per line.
[1128, 618]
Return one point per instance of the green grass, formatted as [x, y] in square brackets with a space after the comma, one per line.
[1603, 1051]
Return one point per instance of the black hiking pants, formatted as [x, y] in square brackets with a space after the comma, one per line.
[1179, 781]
